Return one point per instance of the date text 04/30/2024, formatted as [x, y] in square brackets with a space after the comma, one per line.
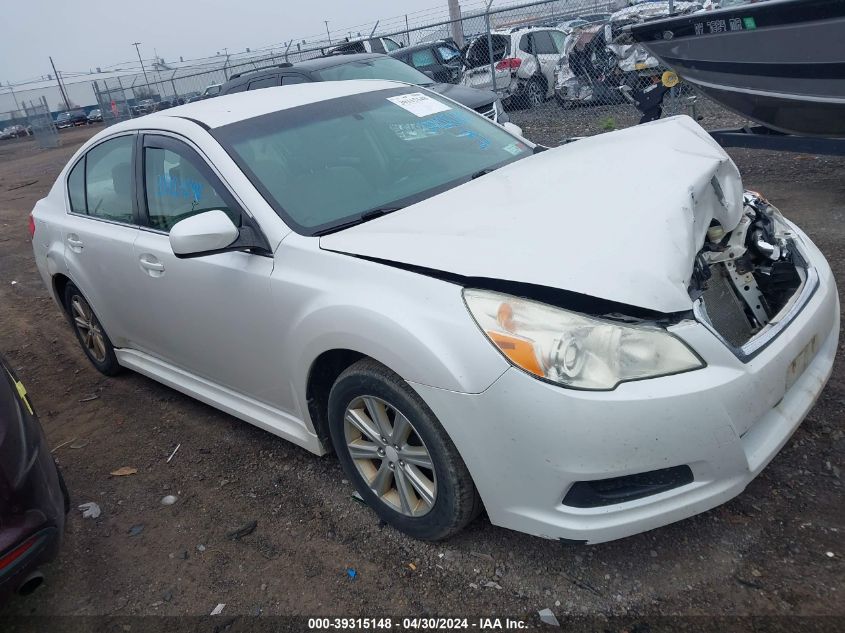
[444, 624]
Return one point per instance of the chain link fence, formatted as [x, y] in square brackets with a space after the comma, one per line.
[562, 68]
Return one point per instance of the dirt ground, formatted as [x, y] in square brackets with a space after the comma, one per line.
[775, 550]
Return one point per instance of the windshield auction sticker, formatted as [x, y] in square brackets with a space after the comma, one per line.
[419, 104]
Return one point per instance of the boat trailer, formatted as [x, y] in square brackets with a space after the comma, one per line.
[761, 137]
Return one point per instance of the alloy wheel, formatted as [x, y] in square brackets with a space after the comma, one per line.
[535, 94]
[390, 455]
[89, 329]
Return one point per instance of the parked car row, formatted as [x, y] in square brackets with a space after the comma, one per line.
[363, 66]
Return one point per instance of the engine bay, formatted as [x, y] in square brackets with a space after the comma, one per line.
[749, 277]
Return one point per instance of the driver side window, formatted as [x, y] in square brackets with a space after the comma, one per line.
[179, 184]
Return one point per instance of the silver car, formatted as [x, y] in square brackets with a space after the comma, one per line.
[468, 320]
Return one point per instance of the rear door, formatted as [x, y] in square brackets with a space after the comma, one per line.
[450, 57]
[425, 61]
[99, 230]
[546, 50]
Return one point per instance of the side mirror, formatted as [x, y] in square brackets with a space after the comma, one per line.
[512, 128]
[204, 234]
[428, 74]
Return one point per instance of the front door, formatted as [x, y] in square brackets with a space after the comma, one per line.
[209, 315]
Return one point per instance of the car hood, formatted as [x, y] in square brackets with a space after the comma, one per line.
[470, 97]
[618, 216]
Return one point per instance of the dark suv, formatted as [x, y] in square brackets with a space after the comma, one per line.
[439, 60]
[363, 66]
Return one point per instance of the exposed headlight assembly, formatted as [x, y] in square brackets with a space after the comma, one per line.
[575, 350]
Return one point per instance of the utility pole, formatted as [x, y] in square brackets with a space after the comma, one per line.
[144, 70]
[329, 35]
[61, 87]
[12, 90]
[456, 25]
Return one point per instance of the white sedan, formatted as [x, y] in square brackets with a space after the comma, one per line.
[468, 320]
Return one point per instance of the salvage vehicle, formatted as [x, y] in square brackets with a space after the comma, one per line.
[524, 62]
[440, 60]
[33, 497]
[368, 268]
[364, 66]
[601, 57]
[95, 116]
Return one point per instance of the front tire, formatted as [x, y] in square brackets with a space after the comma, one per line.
[90, 333]
[400, 458]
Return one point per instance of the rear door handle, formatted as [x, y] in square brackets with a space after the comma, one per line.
[151, 265]
[74, 242]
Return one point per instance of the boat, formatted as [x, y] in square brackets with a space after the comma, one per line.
[780, 63]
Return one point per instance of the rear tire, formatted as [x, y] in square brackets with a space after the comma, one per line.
[535, 93]
[426, 459]
[90, 333]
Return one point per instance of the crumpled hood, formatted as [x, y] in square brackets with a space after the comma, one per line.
[618, 216]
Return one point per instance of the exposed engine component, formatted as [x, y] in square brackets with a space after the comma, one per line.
[745, 278]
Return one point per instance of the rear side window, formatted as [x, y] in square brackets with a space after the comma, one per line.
[108, 180]
[264, 82]
[423, 58]
[76, 187]
[389, 44]
[559, 39]
[542, 43]
[288, 80]
[448, 53]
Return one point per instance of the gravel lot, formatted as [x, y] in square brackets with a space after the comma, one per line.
[775, 550]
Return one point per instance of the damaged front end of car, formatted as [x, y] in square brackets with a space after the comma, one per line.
[748, 283]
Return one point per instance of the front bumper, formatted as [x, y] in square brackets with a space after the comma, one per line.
[526, 442]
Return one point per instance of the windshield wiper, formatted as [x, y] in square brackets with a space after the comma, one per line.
[482, 172]
[364, 217]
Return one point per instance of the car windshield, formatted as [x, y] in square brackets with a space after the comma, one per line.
[374, 68]
[63, 115]
[333, 163]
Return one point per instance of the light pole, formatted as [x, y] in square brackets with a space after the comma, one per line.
[61, 87]
[144, 70]
[329, 35]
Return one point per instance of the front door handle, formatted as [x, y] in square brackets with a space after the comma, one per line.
[151, 265]
[74, 242]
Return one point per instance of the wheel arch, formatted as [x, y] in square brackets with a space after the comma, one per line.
[322, 375]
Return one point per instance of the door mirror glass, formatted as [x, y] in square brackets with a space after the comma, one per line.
[203, 234]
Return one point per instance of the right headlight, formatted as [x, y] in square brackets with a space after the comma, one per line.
[575, 350]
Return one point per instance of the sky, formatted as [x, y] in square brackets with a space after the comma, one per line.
[82, 35]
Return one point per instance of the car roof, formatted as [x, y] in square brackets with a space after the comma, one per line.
[417, 47]
[238, 106]
[520, 30]
[309, 65]
[329, 61]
